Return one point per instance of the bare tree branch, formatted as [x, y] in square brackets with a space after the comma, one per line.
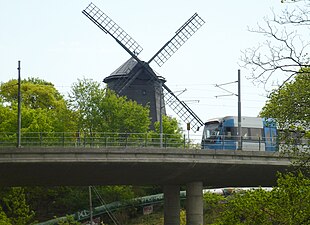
[298, 16]
[286, 49]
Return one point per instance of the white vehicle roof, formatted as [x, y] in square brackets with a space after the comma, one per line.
[246, 121]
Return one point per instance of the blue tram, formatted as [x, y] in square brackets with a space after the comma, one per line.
[257, 134]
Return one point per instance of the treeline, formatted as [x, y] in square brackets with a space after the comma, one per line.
[89, 108]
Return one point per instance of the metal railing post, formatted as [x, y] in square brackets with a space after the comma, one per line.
[63, 139]
[84, 140]
[41, 139]
[126, 140]
[145, 143]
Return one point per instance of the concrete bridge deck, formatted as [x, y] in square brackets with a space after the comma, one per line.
[138, 166]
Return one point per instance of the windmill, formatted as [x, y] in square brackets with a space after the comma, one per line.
[136, 79]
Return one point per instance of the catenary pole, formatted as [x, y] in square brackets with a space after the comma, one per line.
[239, 129]
[19, 120]
[160, 114]
[239, 112]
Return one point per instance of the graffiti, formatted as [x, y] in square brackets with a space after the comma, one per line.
[83, 214]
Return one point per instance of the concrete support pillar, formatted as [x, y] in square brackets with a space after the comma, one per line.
[194, 203]
[171, 205]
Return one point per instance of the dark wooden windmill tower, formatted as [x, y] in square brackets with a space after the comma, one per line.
[136, 79]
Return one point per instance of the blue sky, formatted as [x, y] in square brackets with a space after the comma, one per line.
[57, 43]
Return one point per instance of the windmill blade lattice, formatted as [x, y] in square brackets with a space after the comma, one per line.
[181, 109]
[106, 24]
[181, 36]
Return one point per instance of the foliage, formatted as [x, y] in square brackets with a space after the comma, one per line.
[288, 203]
[115, 193]
[35, 94]
[68, 221]
[54, 201]
[213, 206]
[289, 105]
[170, 126]
[48, 202]
[182, 217]
[13, 207]
[101, 110]
[4, 220]
[155, 218]
[43, 108]
[173, 133]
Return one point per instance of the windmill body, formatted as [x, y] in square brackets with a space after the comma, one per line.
[143, 90]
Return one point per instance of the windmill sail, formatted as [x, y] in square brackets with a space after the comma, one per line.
[180, 37]
[181, 109]
[106, 24]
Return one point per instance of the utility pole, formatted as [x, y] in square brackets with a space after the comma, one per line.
[239, 131]
[90, 206]
[161, 98]
[19, 118]
[239, 112]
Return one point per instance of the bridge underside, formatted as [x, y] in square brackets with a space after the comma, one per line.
[79, 167]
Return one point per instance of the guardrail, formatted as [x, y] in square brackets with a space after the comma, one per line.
[151, 139]
[98, 139]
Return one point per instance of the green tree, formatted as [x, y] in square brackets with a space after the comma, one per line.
[289, 105]
[288, 203]
[43, 109]
[213, 206]
[172, 132]
[35, 93]
[48, 202]
[13, 207]
[68, 221]
[4, 220]
[101, 110]
[170, 126]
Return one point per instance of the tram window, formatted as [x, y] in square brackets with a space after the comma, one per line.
[245, 133]
[256, 134]
[253, 134]
[230, 132]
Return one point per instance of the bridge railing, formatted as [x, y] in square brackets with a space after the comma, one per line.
[97, 139]
[151, 139]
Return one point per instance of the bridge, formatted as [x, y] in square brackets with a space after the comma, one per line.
[169, 167]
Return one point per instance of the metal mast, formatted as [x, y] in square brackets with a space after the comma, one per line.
[19, 117]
